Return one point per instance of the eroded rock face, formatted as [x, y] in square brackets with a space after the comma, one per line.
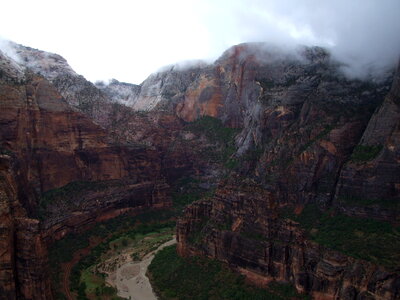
[61, 145]
[23, 259]
[241, 227]
[162, 90]
[74, 88]
[299, 146]
[299, 121]
[121, 92]
[7, 259]
[50, 144]
[378, 178]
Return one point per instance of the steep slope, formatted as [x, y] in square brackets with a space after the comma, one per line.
[279, 215]
[299, 147]
[24, 257]
[74, 88]
[121, 92]
[162, 90]
[369, 184]
[155, 125]
[62, 173]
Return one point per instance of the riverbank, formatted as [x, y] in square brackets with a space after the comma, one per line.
[130, 278]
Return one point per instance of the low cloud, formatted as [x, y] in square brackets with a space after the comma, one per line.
[363, 34]
[141, 37]
[7, 48]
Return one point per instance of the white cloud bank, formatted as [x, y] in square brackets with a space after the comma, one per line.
[130, 39]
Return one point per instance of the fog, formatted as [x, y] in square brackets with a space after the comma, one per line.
[364, 34]
[128, 40]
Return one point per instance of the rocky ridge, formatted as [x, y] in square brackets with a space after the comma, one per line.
[121, 92]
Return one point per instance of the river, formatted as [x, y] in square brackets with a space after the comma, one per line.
[130, 278]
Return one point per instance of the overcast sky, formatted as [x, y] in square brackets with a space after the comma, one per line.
[128, 40]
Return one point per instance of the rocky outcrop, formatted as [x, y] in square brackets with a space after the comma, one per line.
[74, 88]
[121, 92]
[164, 89]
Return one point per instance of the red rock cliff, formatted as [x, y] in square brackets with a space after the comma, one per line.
[310, 137]
[48, 144]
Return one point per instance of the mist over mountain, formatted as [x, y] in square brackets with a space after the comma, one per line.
[132, 40]
[262, 148]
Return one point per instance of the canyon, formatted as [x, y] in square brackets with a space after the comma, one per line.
[278, 135]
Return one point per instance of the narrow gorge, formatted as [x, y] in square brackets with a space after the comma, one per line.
[275, 164]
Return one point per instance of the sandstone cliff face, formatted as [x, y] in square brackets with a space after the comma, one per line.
[377, 180]
[299, 146]
[74, 88]
[105, 104]
[242, 227]
[51, 146]
[42, 128]
[23, 259]
[7, 260]
[305, 134]
[250, 77]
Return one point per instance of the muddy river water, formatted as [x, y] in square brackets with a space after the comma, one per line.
[130, 278]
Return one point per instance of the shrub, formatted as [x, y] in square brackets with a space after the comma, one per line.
[223, 138]
[367, 239]
[364, 153]
[175, 277]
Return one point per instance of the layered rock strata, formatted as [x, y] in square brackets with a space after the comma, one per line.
[49, 146]
[242, 227]
[306, 134]
[315, 138]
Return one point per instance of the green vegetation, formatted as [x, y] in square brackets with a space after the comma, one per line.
[285, 291]
[266, 84]
[289, 81]
[253, 235]
[6, 151]
[118, 233]
[197, 232]
[213, 128]
[112, 232]
[75, 188]
[139, 241]
[223, 138]
[186, 191]
[196, 278]
[375, 241]
[319, 136]
[70, 195]
[226, 223]
[393, 204]
[364, 153]
[253, 154]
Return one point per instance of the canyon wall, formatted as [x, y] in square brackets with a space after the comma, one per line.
[61, 172]
[312, 138]
[23, 258]
[304, 135]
